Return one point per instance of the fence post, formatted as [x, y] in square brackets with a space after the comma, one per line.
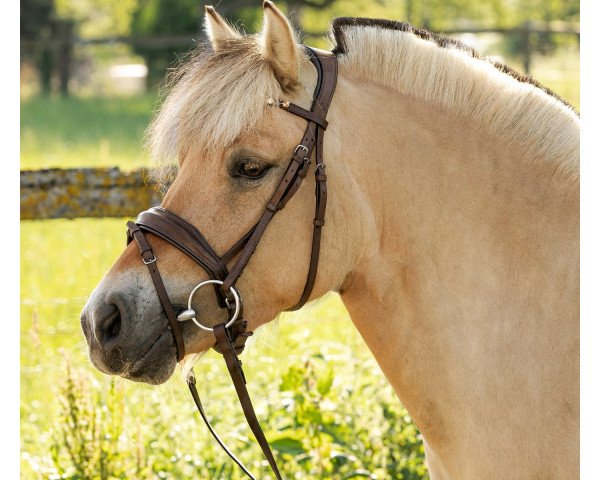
[65, 53]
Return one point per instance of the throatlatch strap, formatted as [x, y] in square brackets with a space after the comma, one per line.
[318, 223]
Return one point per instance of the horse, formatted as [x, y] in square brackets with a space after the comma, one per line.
[452, 231]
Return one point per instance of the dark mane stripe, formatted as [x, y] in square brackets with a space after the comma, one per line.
[339, 24]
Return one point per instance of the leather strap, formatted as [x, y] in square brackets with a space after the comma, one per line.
[301, 112]
[329, 65]
[234, 366]
[150, 260]
[318, 223]
[192, 386]
[326, 65]
[183, 236]
[186, 238]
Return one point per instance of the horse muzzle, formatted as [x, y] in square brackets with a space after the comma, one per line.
[113, 336]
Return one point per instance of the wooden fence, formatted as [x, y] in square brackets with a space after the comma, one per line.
[85, 192]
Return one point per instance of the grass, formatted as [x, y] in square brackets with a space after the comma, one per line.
[90, 132]
[52, 294]
[560, 73]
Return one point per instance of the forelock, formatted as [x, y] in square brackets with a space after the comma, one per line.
[212, 99]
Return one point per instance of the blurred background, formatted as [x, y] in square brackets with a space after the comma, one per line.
[90, 73]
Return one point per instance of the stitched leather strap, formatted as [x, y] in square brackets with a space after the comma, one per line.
[183, 236]
[186, 238]
[301, 112]
[318, 223]
[329, 65]
[326, 65]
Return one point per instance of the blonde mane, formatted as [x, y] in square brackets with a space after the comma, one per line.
[448, 74]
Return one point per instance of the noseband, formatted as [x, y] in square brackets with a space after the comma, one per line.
[231, 335]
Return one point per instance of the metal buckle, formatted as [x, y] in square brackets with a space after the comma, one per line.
[187, 314]
[149, 261]
[298, 147]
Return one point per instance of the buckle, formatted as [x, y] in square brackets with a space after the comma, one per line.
[152, 260]
[298, 147]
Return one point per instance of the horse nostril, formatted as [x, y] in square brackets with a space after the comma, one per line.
[113, 326]
[109, 327]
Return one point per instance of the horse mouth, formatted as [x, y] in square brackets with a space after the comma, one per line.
[157, 363]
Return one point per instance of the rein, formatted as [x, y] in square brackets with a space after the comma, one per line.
[231, 335]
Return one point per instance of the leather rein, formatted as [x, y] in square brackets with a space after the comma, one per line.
[232, 334]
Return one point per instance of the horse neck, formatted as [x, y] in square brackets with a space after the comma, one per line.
[473, 253]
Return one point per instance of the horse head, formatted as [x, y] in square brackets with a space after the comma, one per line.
[232, 147]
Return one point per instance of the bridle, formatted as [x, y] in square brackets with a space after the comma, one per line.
[232, 335]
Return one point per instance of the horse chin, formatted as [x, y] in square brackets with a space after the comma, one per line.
[156, 365]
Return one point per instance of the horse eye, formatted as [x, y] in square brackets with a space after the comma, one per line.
[252, 169]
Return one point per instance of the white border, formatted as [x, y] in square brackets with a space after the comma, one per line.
[9, 286]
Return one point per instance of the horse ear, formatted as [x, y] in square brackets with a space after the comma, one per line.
[279, 45]
[217, 28]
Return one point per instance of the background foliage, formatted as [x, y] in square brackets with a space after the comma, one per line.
[312, 18]
[113, 18]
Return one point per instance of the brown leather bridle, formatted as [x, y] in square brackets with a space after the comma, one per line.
[232, 335]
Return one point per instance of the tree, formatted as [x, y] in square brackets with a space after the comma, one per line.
[166, 17]
[36, 26]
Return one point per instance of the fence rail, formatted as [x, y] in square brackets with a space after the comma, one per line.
[85, 192]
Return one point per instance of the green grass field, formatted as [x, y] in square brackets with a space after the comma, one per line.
[325, 405]
[91, 132]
